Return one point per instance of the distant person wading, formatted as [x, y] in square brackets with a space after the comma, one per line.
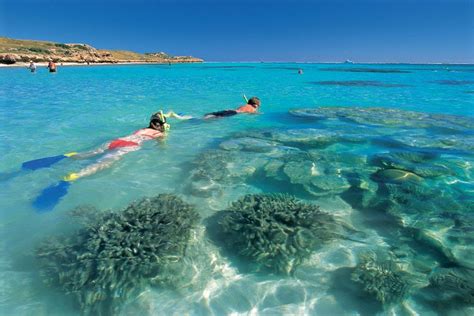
[51, 66]
[32, 66]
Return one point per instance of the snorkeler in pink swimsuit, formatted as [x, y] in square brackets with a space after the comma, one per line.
[123, 145]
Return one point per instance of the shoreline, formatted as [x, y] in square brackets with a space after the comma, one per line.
[68, 64]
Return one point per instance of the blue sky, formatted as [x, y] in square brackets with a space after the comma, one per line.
[260, 30]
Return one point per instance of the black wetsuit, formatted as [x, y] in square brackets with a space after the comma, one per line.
[222, 113]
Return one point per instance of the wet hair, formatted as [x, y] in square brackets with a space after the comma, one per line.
[254, 101]
[156, 122]
[158, 118]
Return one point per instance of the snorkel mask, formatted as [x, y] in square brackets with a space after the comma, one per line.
[161, 118]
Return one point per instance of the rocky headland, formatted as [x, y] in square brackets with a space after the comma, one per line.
[19, 52]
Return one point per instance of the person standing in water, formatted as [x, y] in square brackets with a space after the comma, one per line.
[252, 106]
[32, 66]
[117, 148]
[51, 66]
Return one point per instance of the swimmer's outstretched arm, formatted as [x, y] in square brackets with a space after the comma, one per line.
[172, 114]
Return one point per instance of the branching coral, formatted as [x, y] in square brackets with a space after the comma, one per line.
[382, 279]
[118, 252]
[454, 284]
[276, 230]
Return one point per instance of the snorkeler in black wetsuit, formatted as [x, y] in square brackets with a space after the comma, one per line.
[251, 107]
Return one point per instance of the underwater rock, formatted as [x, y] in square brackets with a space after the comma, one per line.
[389, 117]
[291, 140]
[215, 172]
[243, 143]
[362, 191]
[360, 115]
[459, 237]
[397, 176]
[222, 166]
[412, 162]
[276, 231]
[327, 184]
[273, 169]
[107, 260]
[309, 137]
[300, 172]
[249, 144]
[437, 219]
[212, 164]
[320, 173]
[209, 171]
[383, 279]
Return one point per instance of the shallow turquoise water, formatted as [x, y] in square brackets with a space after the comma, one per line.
[79, 108]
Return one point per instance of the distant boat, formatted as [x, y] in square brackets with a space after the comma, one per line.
[348, 61]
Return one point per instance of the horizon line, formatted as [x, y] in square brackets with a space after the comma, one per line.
[343, 62]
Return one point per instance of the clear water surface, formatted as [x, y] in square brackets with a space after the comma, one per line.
[79, 108]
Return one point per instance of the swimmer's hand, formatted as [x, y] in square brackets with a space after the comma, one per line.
[184, 117]
[177, 116]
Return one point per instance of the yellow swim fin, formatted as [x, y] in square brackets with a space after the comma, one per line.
[71, 177]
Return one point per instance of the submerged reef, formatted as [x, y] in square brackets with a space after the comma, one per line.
[360, 83]
[114, 254]
[388, 117]
[276, 231]
[456, 143]
[404, 176]
[369, 70]
[382, 278]
[214, 170]
[440, 221]
[308, 137]
[312, 171]
[454, 82]
[291, 161]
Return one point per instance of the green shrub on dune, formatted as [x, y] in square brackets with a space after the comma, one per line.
[116, 253]
[276, 231]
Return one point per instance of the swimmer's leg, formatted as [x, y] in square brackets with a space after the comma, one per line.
[92, 153]
[104, 163]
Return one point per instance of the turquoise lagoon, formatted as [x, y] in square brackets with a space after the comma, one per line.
[386, 150]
